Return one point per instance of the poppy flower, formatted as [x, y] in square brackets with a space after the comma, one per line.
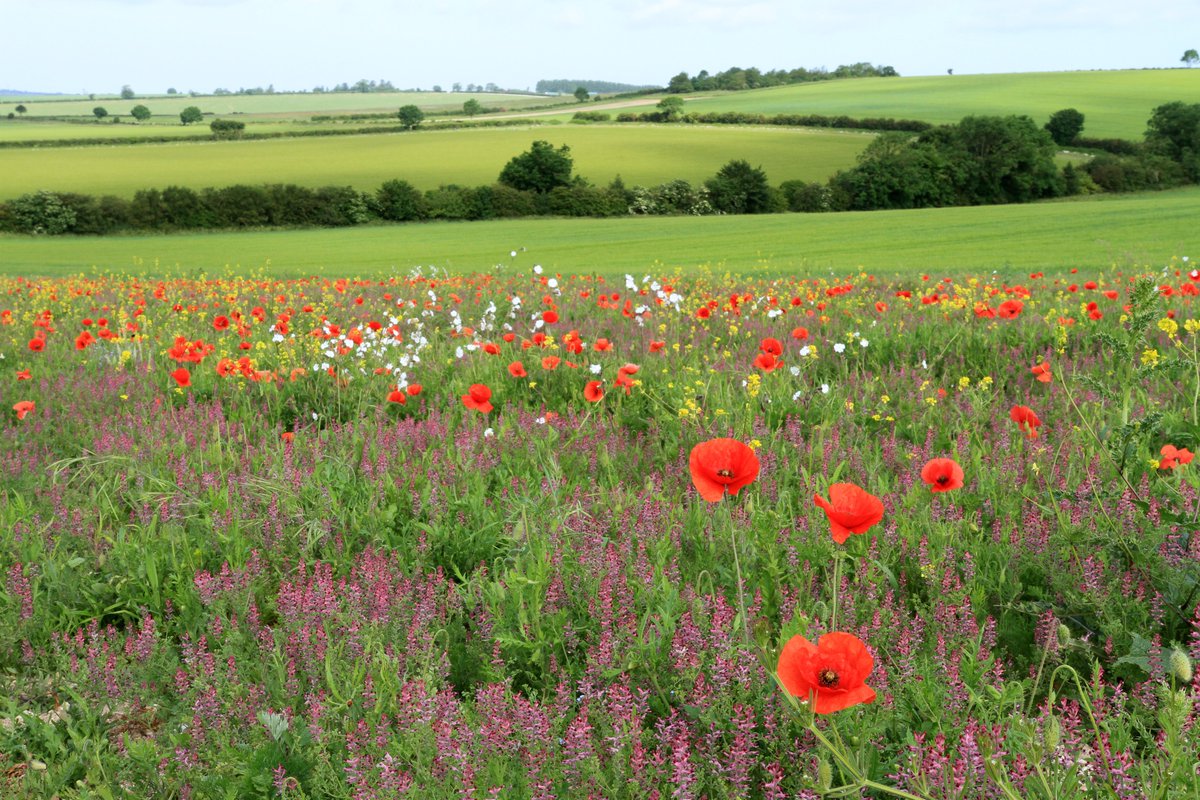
[1173, 457]
[288, 436]
[478, 397]
[800, 333]
[492, 349]
[37, 344]
[24, 407]
[551, 362]
[1026, 420]
[413, 389]
[221, 322]
[628, 369]
[84, 340]
[602, 345]
[851, 509]
[767, 362]
[550, 317]
[593, 392]
[1010, 309]
[656, 346]
[942, 474]
[182, 377]
[23, 375]
[772, 346]
[1042, 371]
[517, 369]
[831, 673]
[397, 396]
[722, 465]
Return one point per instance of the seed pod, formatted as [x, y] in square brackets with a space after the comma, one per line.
[1064, 635]
[824, 775]
[1053, 734]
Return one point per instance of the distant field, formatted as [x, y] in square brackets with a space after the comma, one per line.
[1121, 231]
[1115, 103]
[639, 154]
[291, 105]
[27, 131]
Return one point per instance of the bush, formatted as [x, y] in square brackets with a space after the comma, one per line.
[739, 188]
[400, 201]
[227, 128]
[40, 213]
[539, 169]
[591, 116]
[1135, 173]
[1064, 126]
[806, 197]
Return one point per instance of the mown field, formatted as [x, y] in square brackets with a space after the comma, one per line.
[1124, 230]
[1115, 103]
[646, 155]
[703, 535]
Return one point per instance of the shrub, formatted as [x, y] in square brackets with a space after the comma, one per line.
[227, 128]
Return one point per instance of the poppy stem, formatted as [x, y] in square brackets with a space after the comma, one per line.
[737, 568]
[837, 580]
[842, 758]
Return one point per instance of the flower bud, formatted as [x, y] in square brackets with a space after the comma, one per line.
[824, 775]
[1064, 635]
[1053, 734]
[1179, 665]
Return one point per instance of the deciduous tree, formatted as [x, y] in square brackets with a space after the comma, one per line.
[140, 113]
[539, 169]
[191, 114]
[410, 116]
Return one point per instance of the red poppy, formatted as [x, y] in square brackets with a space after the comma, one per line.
[800, 333]
[182, 377]
[593, 392]
[517, 370]
[37, 344]
[221, 322]
[491, 349]
[397, 396]
[722, 465]
[657, 346]
[1042, 371]
[602, 345]
[551, 362]
[84, 340]
[772, 346]
[831, 673]
[23, 407]
[851, 509]
[881, 306]
[1010, 309]
[288, 436]
[1026, 420]
[628, 369]
[550, 317]
[767, 362]
[479, 398]
[413, 389]
[1173, 457]
[942, 474]
[23, 375]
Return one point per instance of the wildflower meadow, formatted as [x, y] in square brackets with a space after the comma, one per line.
[530, 535]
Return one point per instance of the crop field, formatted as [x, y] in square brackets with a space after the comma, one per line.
[646, 155]
[1115, 103]
[127, 130]
[297, 105]
[1124, 231]
[520, 534]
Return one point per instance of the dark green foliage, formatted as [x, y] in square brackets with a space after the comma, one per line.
[739, 188]
[581, 94]
[39, 213]
[472, 107]
[140, 113]
[191, 114]
[1135, 173]
[591, 116]
[1174, 131]
[502, 202]
[565, 86]
[400, 201]
[227, 128]
[539, 169]
[100, 111]
[671, 108]
[1064, 126]
[737, 79]
[410, 116]
[806, 197]
[785, 120]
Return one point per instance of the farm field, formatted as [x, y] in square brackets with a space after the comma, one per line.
[646, 155]
[294, 105]
[129, 131]
[1098, 232]
[1115, 103]
[520, 535]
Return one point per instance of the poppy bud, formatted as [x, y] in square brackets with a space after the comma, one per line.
[1053, 734]
[1180, 665]
[824, 775]
[1064, 635]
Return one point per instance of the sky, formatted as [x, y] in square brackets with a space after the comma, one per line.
[97, 46]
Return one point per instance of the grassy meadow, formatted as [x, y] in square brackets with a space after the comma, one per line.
[645, 155]
[1124, 230]
[1115, 103]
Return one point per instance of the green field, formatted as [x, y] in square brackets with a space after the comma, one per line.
[645, 155]
[128, 130]
[289, 105]
[1145, 229]
[1115, 103]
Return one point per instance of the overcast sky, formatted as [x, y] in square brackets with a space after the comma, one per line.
[99, 45]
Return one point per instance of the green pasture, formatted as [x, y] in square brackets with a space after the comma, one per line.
[1115, 103]
[1146, 230]
[301, 104]
[127, 129]
[644, 155]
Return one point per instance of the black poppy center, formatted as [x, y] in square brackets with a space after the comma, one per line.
[943, 478]
[724, 473]
[827, 678]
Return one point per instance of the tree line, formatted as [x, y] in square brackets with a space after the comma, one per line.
[736, 79]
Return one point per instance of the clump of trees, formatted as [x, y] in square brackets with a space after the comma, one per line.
[736, 79]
